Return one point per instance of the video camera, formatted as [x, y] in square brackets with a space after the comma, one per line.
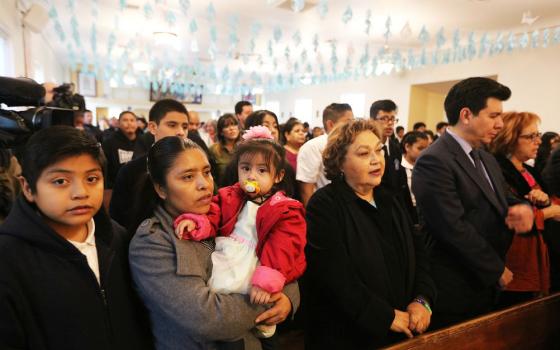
[17, 126]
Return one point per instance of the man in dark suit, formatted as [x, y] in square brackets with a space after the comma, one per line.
[384, 112]
[461, 194]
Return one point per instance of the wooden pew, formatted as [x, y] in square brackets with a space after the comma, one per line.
[532, 325]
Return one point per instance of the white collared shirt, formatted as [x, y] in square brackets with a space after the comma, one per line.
[310, 167]
[467, 148]
[408, 168]
[89, 249]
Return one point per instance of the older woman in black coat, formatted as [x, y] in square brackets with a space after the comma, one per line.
[367, 281]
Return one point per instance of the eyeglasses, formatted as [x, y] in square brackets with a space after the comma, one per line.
[388, 120]
[532, 137]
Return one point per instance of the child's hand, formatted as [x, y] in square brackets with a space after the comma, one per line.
[187, 225]
[259, 296]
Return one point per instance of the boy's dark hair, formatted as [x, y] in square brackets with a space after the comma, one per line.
[305, 124]
[411, 137]
[399, 128]
[223, 122]
[274, 156]
[54, 144]
[162, 107]
[256, 118]
[334, 111]
[418, 125]
[239, 106]
[161, 157]
[473, 93]
[287, 128]
[381, 105]
[441, 125]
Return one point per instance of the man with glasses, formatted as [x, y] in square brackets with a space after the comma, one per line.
[384, 112]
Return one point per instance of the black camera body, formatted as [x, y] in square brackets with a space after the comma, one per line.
[17, 126]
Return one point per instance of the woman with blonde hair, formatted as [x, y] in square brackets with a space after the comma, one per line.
[527, 257]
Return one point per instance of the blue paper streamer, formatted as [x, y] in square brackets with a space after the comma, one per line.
[368, 21]
[347, 15]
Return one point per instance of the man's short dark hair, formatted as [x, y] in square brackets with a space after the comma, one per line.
[411, 137]
[239, 106]
[418, 125]
[162, 107]
[126, 112]
[87, 111]
[441, 125]
[399, 128]
[381, 105]
[473, 93]
[334, 112]
[51, 145]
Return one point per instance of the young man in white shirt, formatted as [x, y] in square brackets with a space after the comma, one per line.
[310, 173]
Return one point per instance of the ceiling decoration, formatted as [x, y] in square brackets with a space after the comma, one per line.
[180, 45]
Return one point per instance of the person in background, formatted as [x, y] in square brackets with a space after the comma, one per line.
[265, 118]
[460, 192]
[91, 129]
[367, 282]
[440, 129]
[211, 127]
[64, 273]
[194, 121]
[399, 133]
[293, 137]
[103, 125]
[527, 257]
[242, 110]
[384, 112]
[310, 172]
[550, 140]
[413, 144]
[10, 171]
[119, 148]
[431, 136]
[419, 126]
[228, 136]
[142, 124]
[79, 120]
[113, 128]
[168, 117]
[308, 135]
[317, 131]
[551, 177]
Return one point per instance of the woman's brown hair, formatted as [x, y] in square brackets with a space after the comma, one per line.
[340, 139]
[514, 122]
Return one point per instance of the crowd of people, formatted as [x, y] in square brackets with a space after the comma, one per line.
[172, 233]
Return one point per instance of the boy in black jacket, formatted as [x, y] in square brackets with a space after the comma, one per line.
[64, 275]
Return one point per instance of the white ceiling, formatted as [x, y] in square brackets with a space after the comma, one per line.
[131, 26]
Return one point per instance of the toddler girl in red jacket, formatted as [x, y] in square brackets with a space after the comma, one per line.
[261, 239]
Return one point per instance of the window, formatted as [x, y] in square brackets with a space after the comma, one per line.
[357, 102]
[6, 64]
[304, 109]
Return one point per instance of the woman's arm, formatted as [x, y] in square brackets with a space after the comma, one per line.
[174, 289]
[330, 269]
